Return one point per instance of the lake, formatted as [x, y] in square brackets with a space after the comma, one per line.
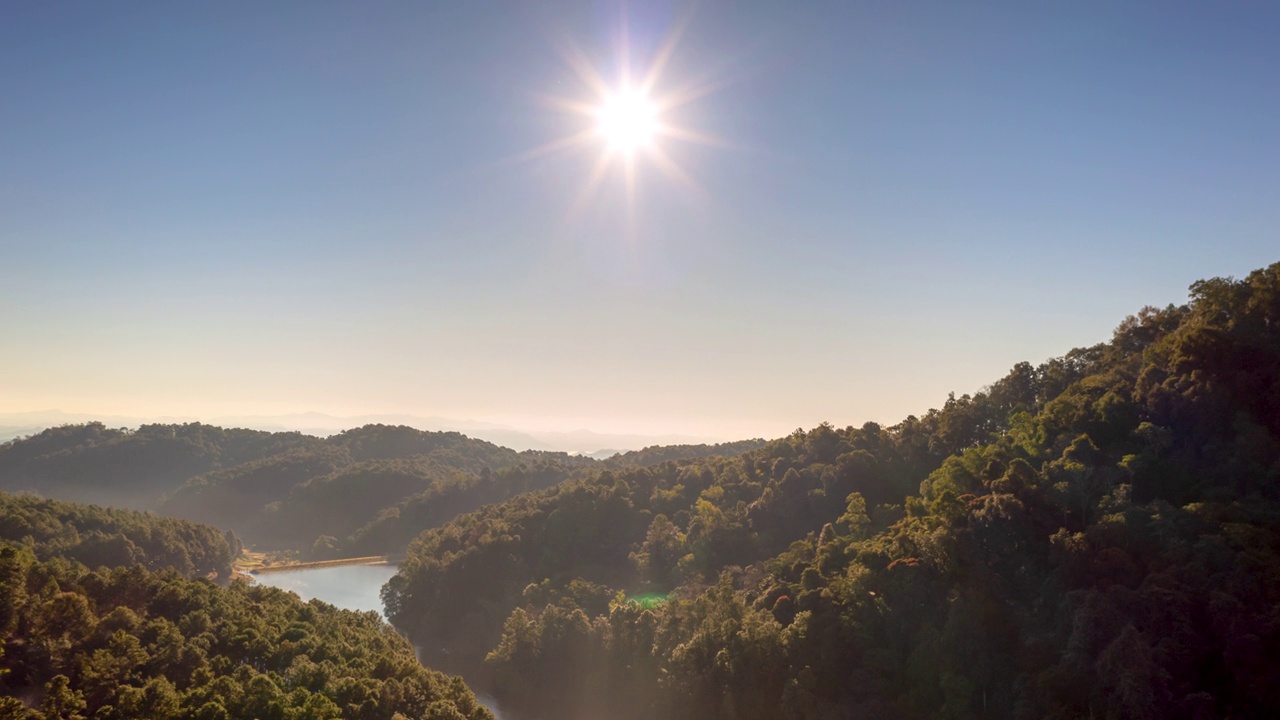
[351, 587]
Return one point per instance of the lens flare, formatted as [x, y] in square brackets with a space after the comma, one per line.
[632, 119]
[648, 601]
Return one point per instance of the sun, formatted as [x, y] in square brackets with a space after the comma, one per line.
[632, 120]
[627, 120]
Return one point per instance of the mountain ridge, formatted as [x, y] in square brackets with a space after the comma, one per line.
[581, 441]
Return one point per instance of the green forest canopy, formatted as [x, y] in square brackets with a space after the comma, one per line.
[128, 642]
[108, 537]
[1096, 536]
[368, 490]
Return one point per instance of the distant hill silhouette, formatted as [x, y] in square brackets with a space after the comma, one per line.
[287, 490]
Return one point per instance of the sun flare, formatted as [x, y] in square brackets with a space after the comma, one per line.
[627, 120]
[633, 119]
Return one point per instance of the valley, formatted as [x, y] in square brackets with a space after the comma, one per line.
[1032, 544]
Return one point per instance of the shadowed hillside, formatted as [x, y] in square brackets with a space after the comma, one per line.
[131, 468]
[98, 537]
[365, 490]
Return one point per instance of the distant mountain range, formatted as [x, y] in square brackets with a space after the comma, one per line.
[584, 442]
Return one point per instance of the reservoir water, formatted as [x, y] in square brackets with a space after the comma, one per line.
[351, 587]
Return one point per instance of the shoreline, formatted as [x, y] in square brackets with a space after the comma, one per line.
[368, 560]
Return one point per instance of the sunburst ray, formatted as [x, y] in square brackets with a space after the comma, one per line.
[630, 118]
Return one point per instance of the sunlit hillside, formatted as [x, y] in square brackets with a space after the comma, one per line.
[663, 360]
[1096, 534]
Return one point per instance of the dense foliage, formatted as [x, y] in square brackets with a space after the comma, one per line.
[657, 454]
[130, 468]
[97, 536]
[128, 643]
[369, 490]
[1096, 536]
[282, 490]
[393, 529]
[314, 499]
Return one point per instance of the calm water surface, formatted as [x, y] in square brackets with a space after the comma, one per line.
[351, 587]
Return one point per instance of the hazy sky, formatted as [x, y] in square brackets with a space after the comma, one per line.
[247, 207]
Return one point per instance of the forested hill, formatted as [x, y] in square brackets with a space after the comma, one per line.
[145, 634]
[367, 490]
[313, 498]
[97, 537]
[125, 643]
[123, 468]
[657, 454]
[1096, 536]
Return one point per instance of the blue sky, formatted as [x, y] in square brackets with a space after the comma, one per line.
[256, 208]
